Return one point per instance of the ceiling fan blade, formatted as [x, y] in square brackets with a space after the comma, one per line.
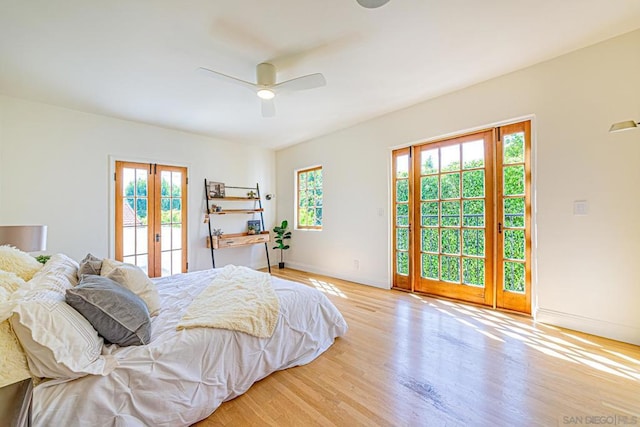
[227, 78]
[268, 108]
[311, 81]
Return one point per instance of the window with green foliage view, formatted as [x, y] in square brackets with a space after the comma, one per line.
[309, 191]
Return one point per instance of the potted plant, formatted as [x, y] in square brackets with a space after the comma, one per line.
[282, 234]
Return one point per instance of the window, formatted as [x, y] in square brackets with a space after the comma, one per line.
[309, 192]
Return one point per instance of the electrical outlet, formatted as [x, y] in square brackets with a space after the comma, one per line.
[356, 264]
[580, 207]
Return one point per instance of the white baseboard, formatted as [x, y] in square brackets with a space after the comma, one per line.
[615, 331]
[350, 278]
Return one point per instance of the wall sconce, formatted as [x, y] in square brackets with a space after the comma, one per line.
[27, 238]
[269, 196]
[626, 125]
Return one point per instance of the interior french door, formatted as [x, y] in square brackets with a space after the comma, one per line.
[462, 218]
[150, 217]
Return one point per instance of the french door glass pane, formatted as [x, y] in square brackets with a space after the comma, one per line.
[142, 240]
[473, 154]
[402, 166]
[513, 276]
[450, 243]
[176, 261]
[450, 158]
[402, 190]
[514, 180]
[129, 241]
[450, 185]
[429, 188]
[176, 237]
[450, 214]
[430, 240]
[430, 163]
[473, 241]
[402, 261]
[473, 271]
[165, 238]
[430, 267]
[513, 148]
[514, 244]
[473, 213]
[429, 212]
[473, 183]
[402, 239]
[450, 269]
[514, 212]
[402, 215]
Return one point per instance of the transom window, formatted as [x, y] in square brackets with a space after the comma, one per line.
[309, 196]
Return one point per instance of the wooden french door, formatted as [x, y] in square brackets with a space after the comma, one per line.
[150, 217]
[462, 218]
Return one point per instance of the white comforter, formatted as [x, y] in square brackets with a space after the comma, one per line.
[183, 376]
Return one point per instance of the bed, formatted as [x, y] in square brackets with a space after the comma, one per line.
[182, 376]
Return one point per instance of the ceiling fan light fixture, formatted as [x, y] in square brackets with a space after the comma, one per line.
[265, 93]
[372, 4]
[626, 125]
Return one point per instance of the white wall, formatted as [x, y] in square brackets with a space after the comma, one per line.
[55, 169]
[586, 267]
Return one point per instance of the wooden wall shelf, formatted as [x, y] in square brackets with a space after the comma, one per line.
[238, 239]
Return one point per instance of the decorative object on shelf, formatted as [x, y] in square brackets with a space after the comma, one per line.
[252, 235]
[255, 225]
[282, 234]
[216, 190]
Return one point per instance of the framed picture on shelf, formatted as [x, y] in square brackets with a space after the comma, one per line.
[216, 189]
[255, 225]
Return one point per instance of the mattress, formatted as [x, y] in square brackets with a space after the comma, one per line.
[182, 376]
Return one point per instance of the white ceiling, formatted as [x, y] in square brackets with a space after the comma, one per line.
[137, 59]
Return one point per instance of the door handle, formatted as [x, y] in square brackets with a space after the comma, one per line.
[499, 228]
[157, 237]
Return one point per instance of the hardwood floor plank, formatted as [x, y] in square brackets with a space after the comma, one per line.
[412, 360]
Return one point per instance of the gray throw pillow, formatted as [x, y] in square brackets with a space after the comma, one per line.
[119, 315]
[89, 265]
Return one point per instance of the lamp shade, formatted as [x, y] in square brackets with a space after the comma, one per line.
[27, 238]
[626, 125]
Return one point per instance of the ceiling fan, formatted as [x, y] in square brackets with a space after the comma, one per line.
[266, 87]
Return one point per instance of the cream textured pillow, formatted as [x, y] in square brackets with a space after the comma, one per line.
[13, 361]
[134, 279]
[15, 261]
[11, 282]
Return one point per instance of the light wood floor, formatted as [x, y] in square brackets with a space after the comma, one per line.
[410, 360]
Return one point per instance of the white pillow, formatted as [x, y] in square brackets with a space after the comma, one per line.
[134, 279]
[59, 342]
[58, 274]
[15, 261]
